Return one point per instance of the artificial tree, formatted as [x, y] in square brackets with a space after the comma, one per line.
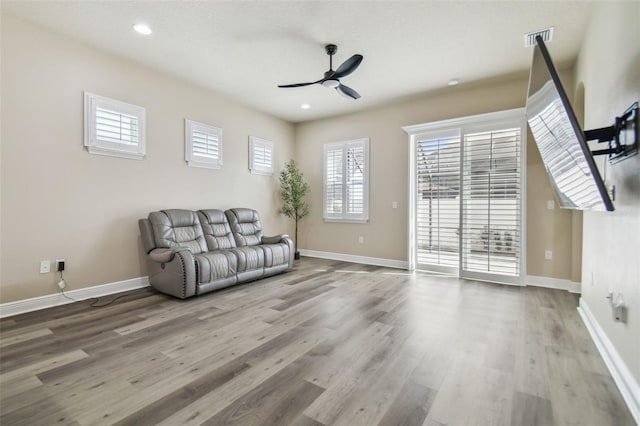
[293, 189]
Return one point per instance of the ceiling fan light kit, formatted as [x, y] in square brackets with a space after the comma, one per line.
[331, 78]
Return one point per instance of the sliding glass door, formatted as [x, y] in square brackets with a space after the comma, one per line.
[466, 197]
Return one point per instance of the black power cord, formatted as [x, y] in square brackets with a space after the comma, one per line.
[93, 304]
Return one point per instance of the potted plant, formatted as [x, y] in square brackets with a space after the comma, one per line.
[293, 189]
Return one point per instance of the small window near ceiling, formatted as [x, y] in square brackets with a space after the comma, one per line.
[260, 156]
[346, 181]
[203, 145]
[113, 128]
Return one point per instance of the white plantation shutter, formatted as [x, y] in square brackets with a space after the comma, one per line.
[203, 145]
[260, 156]
[491, 201]
[346, 186]
[355, 179]
[438, 200]
[114, 128]
[333, 182]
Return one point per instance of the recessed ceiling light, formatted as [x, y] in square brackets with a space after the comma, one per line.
[142, 29]
[453, 82]
[305, 106]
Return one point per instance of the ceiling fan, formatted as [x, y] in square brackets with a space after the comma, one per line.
[332, 78]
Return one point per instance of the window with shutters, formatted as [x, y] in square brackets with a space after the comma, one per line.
[260, 156]
[113, 128]
[203, 145]
[346, 181]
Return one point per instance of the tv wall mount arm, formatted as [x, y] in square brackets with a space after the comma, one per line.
[622, 137]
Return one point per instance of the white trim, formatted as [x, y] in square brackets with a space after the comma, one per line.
[346, 220]
[488, 119]
[56, 299]
[412, 223]
[492, 278]
[557, 283]
[111, 153]
[627, 384]
[377, 261]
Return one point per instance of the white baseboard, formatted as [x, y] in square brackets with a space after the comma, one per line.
[557, 283]
[56, 299]
[627, 384]
[377, 261]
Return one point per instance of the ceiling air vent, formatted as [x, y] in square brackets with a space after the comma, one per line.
[530, 38]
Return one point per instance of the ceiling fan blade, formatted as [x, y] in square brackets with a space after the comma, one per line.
[348, 66]
[300, 84]
[347, 92]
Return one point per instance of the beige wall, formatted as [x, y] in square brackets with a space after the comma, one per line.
[385, 234]
[64, 203]
[549, 229]
[58, 201]
[609, 69]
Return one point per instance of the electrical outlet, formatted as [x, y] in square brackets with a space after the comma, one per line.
[394, 205]
[551, 205]
[59, 265]
[360, 240]
[548, 255]
[45, 266]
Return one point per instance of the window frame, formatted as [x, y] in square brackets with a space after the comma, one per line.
[345, 216]
[98, 146]
[191, 158]
[258, 169]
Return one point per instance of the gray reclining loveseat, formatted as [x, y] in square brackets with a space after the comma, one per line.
[191, 253]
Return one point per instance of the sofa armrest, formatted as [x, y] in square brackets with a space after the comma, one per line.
[165, 254]
[173, 271]
[275, 239]
[283, 239]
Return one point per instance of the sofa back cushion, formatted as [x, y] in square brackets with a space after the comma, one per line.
[178, 228]
[246, 226]
[217, 232]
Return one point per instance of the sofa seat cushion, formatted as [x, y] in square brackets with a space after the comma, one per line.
[275, 254]
[215, 265]
[249, 258]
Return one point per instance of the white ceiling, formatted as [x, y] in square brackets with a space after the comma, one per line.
[244, 49]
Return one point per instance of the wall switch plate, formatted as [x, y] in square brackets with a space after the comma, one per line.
[394, 205]
[45, 266]
[548, 255]
[360, 240]
[551, 205]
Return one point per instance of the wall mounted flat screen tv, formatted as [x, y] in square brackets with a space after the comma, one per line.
[567, 158]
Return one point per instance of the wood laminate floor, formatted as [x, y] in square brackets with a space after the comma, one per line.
[330, 343]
